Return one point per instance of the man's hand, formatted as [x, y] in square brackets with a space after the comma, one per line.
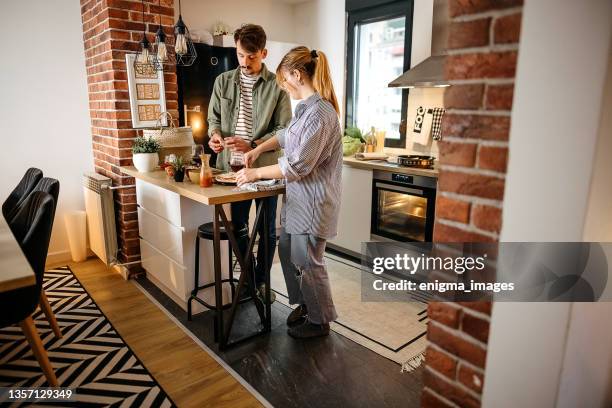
[246, 176]
[216, 143]
[238, 144]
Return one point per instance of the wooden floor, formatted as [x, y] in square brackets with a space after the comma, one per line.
[190, 376]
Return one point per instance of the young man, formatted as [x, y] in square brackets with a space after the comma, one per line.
[247, 108]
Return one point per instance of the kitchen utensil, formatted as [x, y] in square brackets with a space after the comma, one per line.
[423, 162]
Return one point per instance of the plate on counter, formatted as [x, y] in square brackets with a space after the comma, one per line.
[228, 179]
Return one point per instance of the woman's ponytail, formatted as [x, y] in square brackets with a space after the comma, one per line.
[314, 64]
[322, 81]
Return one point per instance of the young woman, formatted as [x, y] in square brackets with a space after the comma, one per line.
[312, 168]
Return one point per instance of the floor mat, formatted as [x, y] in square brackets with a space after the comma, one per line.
[395, 330]
[91, 357]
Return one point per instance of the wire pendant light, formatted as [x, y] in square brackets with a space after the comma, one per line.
[145, 62]
[164, 53]
[183, 45]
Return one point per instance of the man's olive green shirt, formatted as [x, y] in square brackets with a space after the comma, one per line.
[271, 112]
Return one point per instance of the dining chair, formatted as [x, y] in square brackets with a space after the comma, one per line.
[20, 192]
[31, 226]
[51, 186]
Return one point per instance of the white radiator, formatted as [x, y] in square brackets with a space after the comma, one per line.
[100, 216]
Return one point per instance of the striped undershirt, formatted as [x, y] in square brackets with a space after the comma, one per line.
[244, 124]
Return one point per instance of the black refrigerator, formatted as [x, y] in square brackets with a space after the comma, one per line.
[195, 86]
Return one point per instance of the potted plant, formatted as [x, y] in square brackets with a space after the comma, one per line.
[145, 153]
[179, 169]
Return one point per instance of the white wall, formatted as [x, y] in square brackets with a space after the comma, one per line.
[586, 378]
[422, 23]
[557, 102]
[43, 103]
[321, 24]
[275, 16]
[598, 225]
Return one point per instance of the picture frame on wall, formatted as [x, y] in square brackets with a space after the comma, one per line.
[147, 96]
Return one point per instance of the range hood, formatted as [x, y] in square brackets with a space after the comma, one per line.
[430, 72]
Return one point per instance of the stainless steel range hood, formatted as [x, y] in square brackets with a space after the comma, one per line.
[430, 72]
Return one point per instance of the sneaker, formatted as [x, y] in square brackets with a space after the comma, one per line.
[308, 330]
[297, 315]
[261, 293]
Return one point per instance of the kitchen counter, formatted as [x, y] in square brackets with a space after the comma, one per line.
[217, 194]
[385, 166]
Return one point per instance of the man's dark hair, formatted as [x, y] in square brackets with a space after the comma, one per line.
[252, 37]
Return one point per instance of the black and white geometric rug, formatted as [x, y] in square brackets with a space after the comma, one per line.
[91, 357]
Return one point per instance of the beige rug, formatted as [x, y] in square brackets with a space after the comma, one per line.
[395, 330]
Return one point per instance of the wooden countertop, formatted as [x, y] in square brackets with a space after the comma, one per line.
[15, 270]
[217, 194]
[385, 166]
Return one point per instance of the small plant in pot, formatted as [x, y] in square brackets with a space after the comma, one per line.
[145, 153]
[179, 169]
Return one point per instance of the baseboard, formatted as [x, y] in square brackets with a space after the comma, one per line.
[64, 256]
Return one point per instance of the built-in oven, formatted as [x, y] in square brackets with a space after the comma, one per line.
[403, 207]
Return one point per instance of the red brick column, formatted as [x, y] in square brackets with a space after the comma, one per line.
[483, 48]
[111, 28]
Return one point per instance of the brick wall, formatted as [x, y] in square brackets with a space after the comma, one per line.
[111, 28]
[481, 63]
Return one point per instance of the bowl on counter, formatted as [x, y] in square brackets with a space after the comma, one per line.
[193, 173]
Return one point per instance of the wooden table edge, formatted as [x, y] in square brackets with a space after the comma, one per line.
[18, 283]
[200, 197]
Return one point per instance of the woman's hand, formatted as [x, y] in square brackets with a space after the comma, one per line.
[250, 157]
[246, 176]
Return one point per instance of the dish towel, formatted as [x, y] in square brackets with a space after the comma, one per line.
[436, 123]
[262, 185]
[422, 126]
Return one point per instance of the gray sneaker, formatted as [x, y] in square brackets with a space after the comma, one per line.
[308, 330]
[261, 293]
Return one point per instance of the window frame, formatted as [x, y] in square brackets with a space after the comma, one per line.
[371, 11]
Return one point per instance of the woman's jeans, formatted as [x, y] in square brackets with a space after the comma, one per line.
[301, 257]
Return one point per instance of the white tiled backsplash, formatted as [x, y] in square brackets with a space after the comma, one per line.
[427, 98]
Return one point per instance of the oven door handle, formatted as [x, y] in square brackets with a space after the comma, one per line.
[399, 189]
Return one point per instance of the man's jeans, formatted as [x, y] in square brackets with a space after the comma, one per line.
[240, 219]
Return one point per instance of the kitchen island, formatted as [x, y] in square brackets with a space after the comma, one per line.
[169, 214]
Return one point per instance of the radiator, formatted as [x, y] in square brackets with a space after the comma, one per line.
[100, 216]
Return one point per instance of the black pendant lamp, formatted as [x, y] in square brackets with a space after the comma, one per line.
[163, 53]
[183, 45]
[145, 62]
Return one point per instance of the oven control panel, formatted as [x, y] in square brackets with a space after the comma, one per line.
[402, 178]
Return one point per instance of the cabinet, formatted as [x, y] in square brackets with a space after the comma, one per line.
[168, 224]
[355, 210]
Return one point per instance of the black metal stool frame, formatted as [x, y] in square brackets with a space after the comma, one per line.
[245, 261]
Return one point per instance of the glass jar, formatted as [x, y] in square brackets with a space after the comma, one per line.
[206, 177]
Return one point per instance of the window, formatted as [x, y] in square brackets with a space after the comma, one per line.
[379, 38]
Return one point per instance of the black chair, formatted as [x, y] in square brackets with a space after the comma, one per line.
[31, 226]
[20, 193]
[205, 231]
[51, 186]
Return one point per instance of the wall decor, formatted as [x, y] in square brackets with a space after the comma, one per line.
[147, 95]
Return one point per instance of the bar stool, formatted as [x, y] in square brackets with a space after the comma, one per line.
[205, 231]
